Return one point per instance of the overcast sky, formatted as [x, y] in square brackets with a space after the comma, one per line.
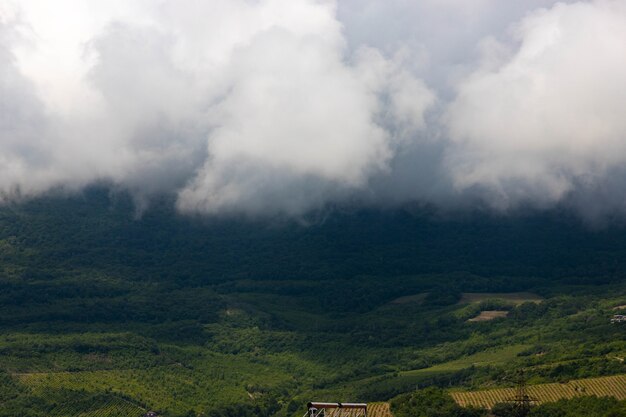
[284, 106]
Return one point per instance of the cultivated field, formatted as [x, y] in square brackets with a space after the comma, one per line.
[378, 410]
[610, 386]
[86, 405]
[165, 388]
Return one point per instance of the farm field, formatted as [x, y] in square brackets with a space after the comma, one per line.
[166, 388]
[379, 410]
[610, 386]
[64, 403]
[110, 406]
[515, 298]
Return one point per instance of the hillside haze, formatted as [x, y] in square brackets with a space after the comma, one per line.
[101, 228]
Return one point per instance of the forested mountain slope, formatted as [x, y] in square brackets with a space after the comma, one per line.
[102, 310]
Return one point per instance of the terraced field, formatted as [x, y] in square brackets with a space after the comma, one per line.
[161, 389]
[114, 407]
[85, 404]
[378, 410]
[610, 386]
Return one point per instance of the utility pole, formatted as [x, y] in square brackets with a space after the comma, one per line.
[521, 401]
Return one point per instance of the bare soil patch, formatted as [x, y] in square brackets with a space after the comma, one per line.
[489, 315]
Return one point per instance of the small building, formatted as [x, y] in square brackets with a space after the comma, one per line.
[321, 409]
[618, 318]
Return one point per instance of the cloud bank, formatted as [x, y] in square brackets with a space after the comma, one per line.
[285, 106]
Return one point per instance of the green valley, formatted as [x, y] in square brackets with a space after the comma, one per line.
[103, 313]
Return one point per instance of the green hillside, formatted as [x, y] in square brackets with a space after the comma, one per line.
[107, 313]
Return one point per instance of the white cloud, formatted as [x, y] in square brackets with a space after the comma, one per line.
[243, 101]
[550, 116]
[283, 106]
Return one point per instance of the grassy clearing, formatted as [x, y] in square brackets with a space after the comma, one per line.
[515, 298]
[491, 357]
[611, 386]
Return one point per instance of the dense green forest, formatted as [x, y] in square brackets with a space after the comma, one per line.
[107, 311]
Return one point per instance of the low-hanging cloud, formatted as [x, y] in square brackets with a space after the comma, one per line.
[284, 106]
[539, 121]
